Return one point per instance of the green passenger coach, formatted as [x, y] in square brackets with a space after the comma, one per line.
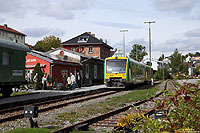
[12, 65]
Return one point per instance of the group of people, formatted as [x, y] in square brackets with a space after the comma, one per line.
[70, 82]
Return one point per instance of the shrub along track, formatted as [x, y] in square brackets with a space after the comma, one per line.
[10, 114]
[110, 119]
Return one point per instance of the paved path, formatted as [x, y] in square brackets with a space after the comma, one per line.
[193, 81]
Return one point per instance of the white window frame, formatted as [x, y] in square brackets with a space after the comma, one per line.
[83, 39]
[95, 71]
[90, 49]
[5, 59]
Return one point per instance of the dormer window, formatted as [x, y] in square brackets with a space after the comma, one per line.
[83, 39]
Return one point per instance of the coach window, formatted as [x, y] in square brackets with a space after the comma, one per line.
[5, 59]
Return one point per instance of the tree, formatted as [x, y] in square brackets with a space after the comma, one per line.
[177, 65]
[162, 72]
[38, 70]
[47, 43]
[138, 52]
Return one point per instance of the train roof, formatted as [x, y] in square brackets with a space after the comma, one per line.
[13, 45]
[134, 61]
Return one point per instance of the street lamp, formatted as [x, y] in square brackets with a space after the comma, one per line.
[124, 39]
[149, 22]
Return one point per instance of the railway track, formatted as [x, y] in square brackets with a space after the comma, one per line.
[18, 112]
[110, 119]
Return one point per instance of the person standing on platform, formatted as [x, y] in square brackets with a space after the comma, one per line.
[64, 80]
[35, 80]
[78, 79]
[73, 81]
[44, 82]
[69, 82]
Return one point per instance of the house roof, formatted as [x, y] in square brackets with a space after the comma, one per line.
[91, 40]
[46, 56]
[13, 45]
[6, 28]
[73, 52]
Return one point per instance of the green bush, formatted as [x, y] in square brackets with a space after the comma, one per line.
[183, 113]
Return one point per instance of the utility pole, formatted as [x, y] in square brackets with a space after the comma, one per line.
[149, 22]
[124, 40]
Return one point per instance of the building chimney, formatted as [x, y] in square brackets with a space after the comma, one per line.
[5, 26]
[89, 33]
[93, 35]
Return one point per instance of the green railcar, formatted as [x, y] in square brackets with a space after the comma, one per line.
[12, 65]
[124, 71]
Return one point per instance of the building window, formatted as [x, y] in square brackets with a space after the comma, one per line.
[22, 37]
[6, 34]
[90, 49]
[15, 36]
[87, 71]
[73, 49]
[83, 39]
[5, 59]
[3, 33]
[95, 71]
[11, 38]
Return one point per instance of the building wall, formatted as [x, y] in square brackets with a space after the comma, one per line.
[105, 52]
[32, 61]
[59, 69]
[100, 51]
[12, 36]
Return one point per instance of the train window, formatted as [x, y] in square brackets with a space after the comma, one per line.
[5, 59]
[116, 66]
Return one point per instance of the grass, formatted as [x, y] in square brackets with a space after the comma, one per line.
[19, 93]
[31, 130]
[69, 116]
[109, 104]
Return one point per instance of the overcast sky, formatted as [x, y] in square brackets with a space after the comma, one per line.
[177, 21]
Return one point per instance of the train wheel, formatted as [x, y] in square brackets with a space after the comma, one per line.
[7, 91]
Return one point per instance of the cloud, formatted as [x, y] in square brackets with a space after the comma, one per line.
[193, 33]
[188, 8]
[59, 9]
[118, 25]
[128, 45]
[189, 41]
[43, 31]
[2, 20]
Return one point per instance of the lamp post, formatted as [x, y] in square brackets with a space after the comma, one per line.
[149, 22]
[124, 40]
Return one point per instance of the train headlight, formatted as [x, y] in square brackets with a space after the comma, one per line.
[107, 75]
[123, 75]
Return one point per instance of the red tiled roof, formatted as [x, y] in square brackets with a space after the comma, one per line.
[29, 46]
[10, 30]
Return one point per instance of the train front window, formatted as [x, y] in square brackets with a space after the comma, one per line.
[116, 66]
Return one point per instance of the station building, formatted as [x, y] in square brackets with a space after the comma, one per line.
[60, 61]
[88, 44]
